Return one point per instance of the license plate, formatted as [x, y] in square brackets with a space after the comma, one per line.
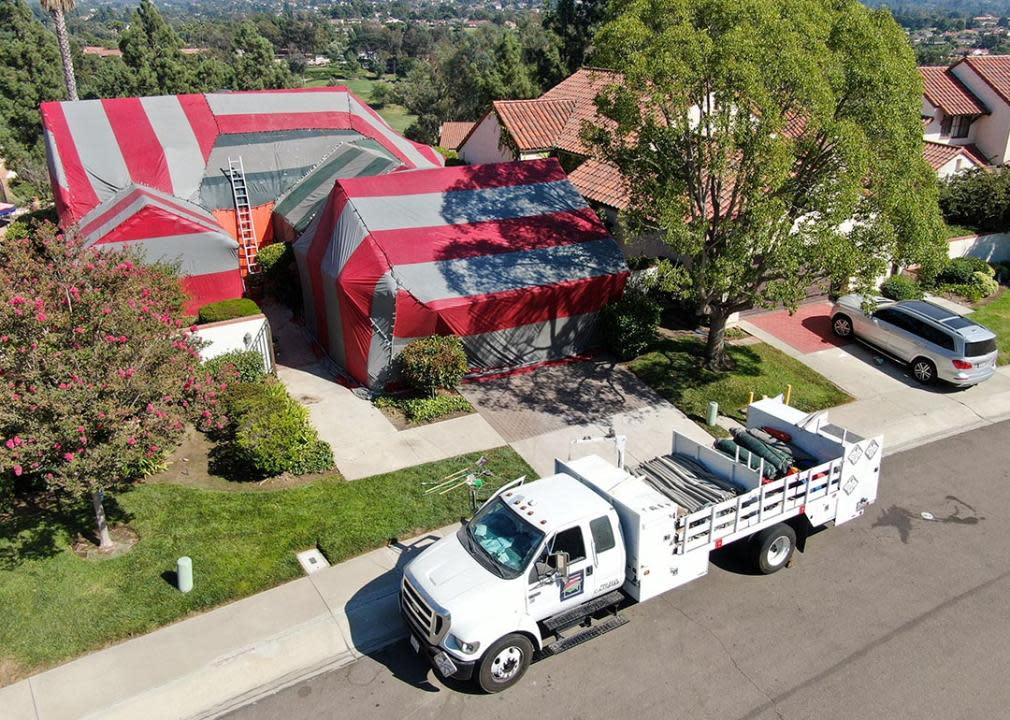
[415, 644]
[445, 666]
[984, 364]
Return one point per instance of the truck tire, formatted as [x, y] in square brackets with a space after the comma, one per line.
[504, 663]
[774, 547]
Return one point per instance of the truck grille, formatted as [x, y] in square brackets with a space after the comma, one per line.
[420, 615]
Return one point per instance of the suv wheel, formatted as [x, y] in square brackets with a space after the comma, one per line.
[841, 325]
[924, 371]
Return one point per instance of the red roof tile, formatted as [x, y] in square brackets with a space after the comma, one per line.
[602, 182]
[946, 92]
[939, 154]
[994, 69]
[581, 87]
[452, 133]
[534, 124]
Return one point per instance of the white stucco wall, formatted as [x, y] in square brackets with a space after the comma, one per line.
[989, 132]
[954, 166]
[484, 143]
[994, 247]
[238, 334]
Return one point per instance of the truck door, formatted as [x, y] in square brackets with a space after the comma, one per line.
[609, 560]
[547, 597]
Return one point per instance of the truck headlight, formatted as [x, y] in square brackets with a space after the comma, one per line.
[468, 648]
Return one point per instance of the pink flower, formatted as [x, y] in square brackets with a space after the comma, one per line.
[9, 444]
[78, 330]
[106, 311]
[18, 300]
[17, 470]
[150, 407]
[122, 338]
[131, 440]
[41, 317]
[69, 457]
[80, 428]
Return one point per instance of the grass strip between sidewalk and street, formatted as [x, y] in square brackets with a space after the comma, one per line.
[996, 317]
[674, 369]
[57, 605]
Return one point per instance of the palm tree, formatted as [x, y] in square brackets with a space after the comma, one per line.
[57, 8]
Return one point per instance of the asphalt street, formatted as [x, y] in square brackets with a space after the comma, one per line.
[890, 616]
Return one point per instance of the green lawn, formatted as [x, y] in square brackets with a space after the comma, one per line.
[674, 370]
[395, 115]
[996, 317]
[56, 605]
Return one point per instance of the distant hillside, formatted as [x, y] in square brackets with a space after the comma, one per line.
[958, 7]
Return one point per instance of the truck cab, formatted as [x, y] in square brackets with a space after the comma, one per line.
[474, 601]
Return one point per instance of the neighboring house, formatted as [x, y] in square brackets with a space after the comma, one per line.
[968, 105]
[551, 125]
[451, 134]
[948, 160]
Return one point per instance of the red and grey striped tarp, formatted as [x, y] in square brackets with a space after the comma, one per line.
[179, 146]
[509, 257]
[165, 228]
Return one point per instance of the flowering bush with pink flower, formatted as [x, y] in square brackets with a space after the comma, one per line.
[97, 372]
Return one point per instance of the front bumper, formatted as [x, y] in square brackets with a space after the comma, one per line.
[463, 668]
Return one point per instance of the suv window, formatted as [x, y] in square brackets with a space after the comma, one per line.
[982, 347]
[936, 336]
[603, 534]
[890, 315]
[571, 542]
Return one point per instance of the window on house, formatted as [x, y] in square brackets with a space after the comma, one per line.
[960, 126]
[945, 126]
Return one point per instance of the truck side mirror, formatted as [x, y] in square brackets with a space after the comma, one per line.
[561, 563]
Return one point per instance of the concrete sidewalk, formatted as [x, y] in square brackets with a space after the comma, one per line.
[890, 402]
[205, 665]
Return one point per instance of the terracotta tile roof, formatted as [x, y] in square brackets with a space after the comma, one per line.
[939, 154]
[451, 134]
[994, 69]
[581, 87]
[601, 182]
[534, 124]
[946, 92]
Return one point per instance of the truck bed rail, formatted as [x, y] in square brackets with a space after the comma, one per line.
[777, 500]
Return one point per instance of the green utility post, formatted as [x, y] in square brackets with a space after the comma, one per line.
[713, 413]
[184, 574]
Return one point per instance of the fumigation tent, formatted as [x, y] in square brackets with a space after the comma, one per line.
[180, 145]
[509, 257]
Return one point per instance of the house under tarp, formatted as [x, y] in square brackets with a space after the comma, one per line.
[509, 257]
[180, 146]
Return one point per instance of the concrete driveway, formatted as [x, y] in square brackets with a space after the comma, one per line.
[888, 399]
[540, 413]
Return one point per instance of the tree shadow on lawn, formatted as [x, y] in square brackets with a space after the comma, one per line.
[674, 367]
[37, 531]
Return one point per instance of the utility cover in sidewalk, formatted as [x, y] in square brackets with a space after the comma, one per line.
[312, 561]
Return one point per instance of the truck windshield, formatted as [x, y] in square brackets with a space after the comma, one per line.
[498, 535]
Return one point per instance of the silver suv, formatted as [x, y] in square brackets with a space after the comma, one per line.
[935, 343]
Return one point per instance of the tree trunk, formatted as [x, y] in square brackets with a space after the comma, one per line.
[715, 346]
[104, 540]
[68, 62]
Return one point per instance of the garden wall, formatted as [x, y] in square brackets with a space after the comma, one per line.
[992, 247]
[246, 333]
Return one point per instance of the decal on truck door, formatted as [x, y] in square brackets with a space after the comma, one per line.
[573, 586]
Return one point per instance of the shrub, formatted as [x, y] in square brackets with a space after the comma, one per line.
[959, 270]
[271, 256]
[426, 409]
[628, 325]
[985, 283]
[227, 310]
[17, 230]
[270, 432]
[434, 363]
[978, 199]
[900, 287]
[281, 278]
[245, 365]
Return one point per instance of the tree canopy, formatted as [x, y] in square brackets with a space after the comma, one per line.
[769, 143]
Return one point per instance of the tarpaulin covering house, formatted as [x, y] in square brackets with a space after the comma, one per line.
[165, 228]
[508, 256]
[180, 146]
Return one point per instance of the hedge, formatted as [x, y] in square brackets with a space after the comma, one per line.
[627, 326]
[900, 287]
[247, 364]
[270, 432]
[434, 363]
[227, 310]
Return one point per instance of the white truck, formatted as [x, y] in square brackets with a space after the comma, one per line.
[544, 566]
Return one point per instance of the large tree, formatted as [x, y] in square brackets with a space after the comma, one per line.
[770, 143]
[98, 375]
[254, 64]
[58, 8]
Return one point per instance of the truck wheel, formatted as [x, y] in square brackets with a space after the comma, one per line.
[504, 663]
[774, 548]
